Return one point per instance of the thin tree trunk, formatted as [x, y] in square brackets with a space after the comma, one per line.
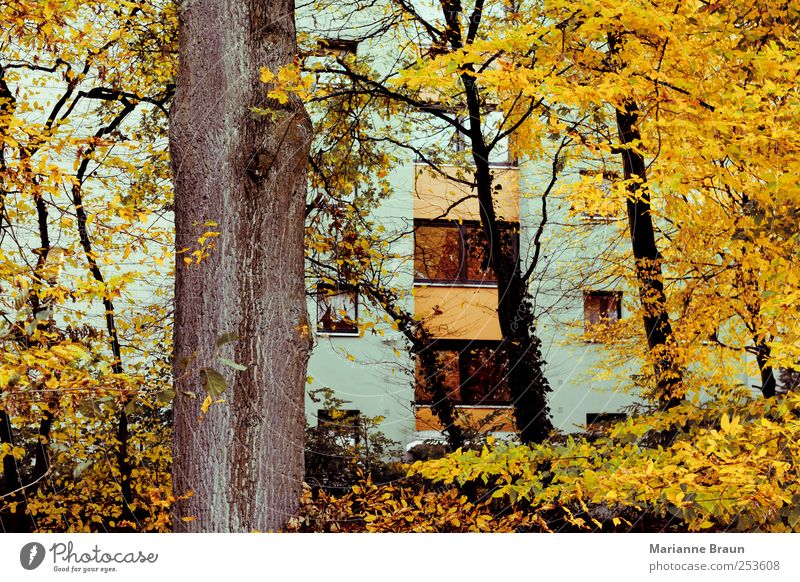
[247, 173]
[657, 326]
[16, 521]
[521, 345]
[768, 382]
[648, 260]
[422, 342]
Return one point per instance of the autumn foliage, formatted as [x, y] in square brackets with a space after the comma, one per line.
[702, 95]
[696, 467]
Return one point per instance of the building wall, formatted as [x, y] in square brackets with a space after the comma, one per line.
[379, 381]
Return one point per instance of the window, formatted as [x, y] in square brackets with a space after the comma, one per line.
[474, 373]
[604, 418]
[601, 307]
[500, 154]
[337, 309]
[342, 46]
[449, 252]
[460, 142]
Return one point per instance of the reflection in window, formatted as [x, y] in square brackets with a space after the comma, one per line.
[452, 252]
[337, 309]
[474, 373]
[601, 307]
[437, 253]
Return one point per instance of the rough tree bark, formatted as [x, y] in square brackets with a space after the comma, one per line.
[244, 460]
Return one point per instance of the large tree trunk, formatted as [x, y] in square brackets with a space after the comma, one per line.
[247, 172]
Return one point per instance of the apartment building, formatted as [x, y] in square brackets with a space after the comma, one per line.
[452, 289]
[446, 282]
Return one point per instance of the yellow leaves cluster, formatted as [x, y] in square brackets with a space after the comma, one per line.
[206, 244]
[56, 355]
[289, 80]
[712, 466]
[388, 508]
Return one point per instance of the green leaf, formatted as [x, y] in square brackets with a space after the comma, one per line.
[794, 516]
[133, 407]
[90, 408]
[213, 381]
[232, 364]
[165, 396]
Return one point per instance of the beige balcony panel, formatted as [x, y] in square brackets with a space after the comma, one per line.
[458, 312]
[434, 194]
[476, 417]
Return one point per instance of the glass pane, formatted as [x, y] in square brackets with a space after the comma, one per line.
[437, 253]
[479, 260]
[483, 377]
[447, 361]
[336, 310]
[478, 257]
[600, 307]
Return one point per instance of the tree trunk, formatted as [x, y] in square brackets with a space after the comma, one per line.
[528, 384]
[657, 325]
[521, 345]
[243, 461]
[769, 383]
[422, 342]
[16, 521]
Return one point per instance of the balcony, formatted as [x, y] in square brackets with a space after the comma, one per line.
[458, 312]
[434, 194]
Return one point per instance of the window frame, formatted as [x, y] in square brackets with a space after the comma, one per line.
[595, 419]
[602, 293]
[462, 347]
[461, 226]
[342, 46]
[338, 289]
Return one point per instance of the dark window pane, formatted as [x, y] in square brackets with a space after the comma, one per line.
[601, 307]
[479, 257]
[479, 267]
[604, 417]
[437, 253]
[337, 310]
[447, 361]
[483, 376]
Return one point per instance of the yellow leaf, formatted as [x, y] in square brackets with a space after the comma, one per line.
[266, 75]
